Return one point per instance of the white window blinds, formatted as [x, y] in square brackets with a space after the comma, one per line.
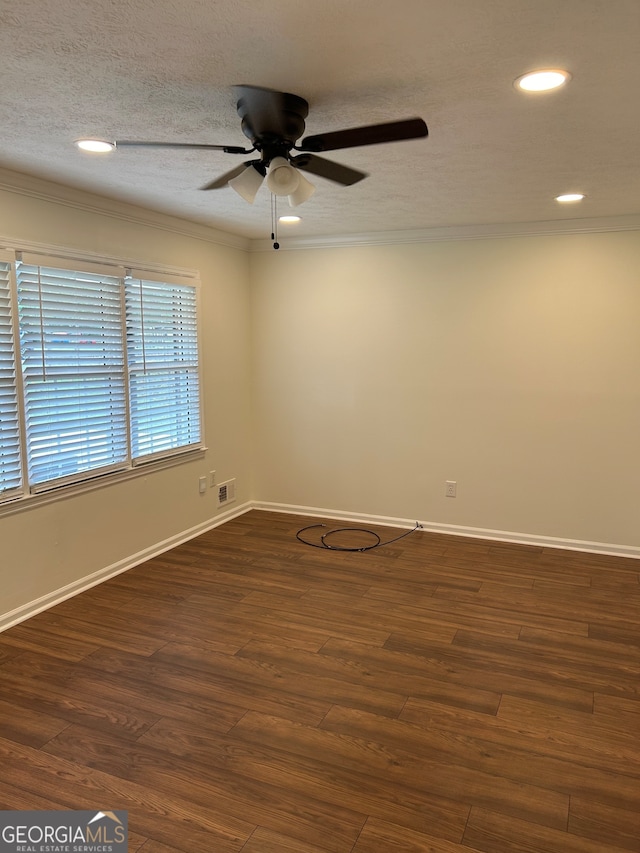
[162, 353]
[71, 338]
[99, 370]
[10, 467]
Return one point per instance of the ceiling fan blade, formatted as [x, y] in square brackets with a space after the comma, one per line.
[328, 169]
[228, 149]
[223, 180]
[394, 131]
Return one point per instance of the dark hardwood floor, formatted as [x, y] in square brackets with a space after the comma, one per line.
[245, 692]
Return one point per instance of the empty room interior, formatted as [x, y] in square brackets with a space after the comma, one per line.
[321, 535]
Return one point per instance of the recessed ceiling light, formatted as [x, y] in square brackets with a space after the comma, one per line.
[542, 81]
[96, 146]
[569, 197]
[289, 219]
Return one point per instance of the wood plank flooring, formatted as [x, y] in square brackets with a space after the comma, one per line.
[246, 692]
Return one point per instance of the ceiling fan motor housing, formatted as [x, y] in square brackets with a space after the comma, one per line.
[273, 122]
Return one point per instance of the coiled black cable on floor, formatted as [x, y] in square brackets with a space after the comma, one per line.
[328, 547]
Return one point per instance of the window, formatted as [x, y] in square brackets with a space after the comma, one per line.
[73, 372]
[104, 374]
[162, 350]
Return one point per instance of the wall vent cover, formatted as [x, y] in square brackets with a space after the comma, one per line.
[226, 492]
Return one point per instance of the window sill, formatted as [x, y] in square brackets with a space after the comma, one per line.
[32, 501]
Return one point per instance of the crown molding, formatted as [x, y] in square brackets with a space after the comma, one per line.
[45, 190]
[452, 233]
[35, 187]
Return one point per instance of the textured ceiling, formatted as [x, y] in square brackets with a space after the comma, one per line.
[164, 70]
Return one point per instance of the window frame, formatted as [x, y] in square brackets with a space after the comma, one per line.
[16, 492]
[32, 494]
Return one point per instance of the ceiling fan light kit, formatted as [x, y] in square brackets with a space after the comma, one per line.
[248, 182]
[282, 178]
[302, 192]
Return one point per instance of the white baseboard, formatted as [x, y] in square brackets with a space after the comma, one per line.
[13, 617]
[604, 548]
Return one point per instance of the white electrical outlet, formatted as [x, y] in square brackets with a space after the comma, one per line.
[450, 487]
[202, 485]
[212, 479]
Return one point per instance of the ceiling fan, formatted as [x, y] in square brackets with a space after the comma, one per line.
[274, 121]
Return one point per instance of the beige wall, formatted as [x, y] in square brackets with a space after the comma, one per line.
[359, 379]
[509, 365]
[45, 549]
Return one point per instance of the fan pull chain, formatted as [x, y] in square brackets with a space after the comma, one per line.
[274, 221]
